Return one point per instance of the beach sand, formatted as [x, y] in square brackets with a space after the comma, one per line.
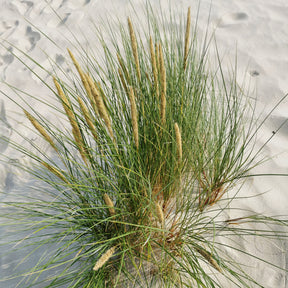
[256, 31]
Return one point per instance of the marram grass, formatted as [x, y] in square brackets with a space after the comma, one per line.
[140, 181]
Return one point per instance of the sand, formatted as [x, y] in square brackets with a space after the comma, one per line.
[257, 31]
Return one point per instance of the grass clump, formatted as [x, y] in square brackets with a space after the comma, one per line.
[155, 141]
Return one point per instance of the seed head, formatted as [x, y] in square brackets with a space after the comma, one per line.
[81, 74]
[134, 48]
[100, 105]
[55, 171]
[154, 66]
[104, 258]
[163, 86]
[178, 141]
[208, 256]
[124, 69]
[134, 117]
[72, 119]
[40, 129]
[109, 203]
[88, 117]
[159, 213]
[187, 36]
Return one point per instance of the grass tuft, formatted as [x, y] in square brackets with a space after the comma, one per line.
[139, 187]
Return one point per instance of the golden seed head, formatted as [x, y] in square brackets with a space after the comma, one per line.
[208, 256]
[122, 80]
[109, 203]
[153, 61]
[87, 117]
[82, 75]
[178, 141]
[104, 258]
[72, 119]
[40, 129]
[159, 213]
[75, 62]
[187, 36]
[134, 48]
[65, 102]
[157, 56]
[163, 86]
[100, 105]
[162, 70]
[55, 171]
[124, 69]
[134, 117]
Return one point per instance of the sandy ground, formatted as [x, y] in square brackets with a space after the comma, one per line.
[257, 31]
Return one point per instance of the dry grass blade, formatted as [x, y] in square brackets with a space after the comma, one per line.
[104, 258]
[134, 117]
[187, 37]
[134, 48]
[41, 130]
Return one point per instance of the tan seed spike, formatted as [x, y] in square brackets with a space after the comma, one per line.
[65, 101]
[104, 258]
[55, 171]
[102, 94]
[123, 69]
[163, 108]
[40, 129]
[91, 98]
[134, 117]
[162, 70]
[134, 48]
[81, 74]
[72, 119]
[207, 255]
[87, 117]
[153, 59]
[163, 86]
[123, 81]
[100, 106]
[154, 67]
[178, 141]
[187, 37]
[157, 57]
[110, 204]
[159, 213]
[80, 143]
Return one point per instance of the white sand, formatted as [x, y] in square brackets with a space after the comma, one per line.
[258, 30]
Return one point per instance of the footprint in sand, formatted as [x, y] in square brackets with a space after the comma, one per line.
[231, 19]
[7, 58]
[33, 37]
[254, 73]
[8, 27]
